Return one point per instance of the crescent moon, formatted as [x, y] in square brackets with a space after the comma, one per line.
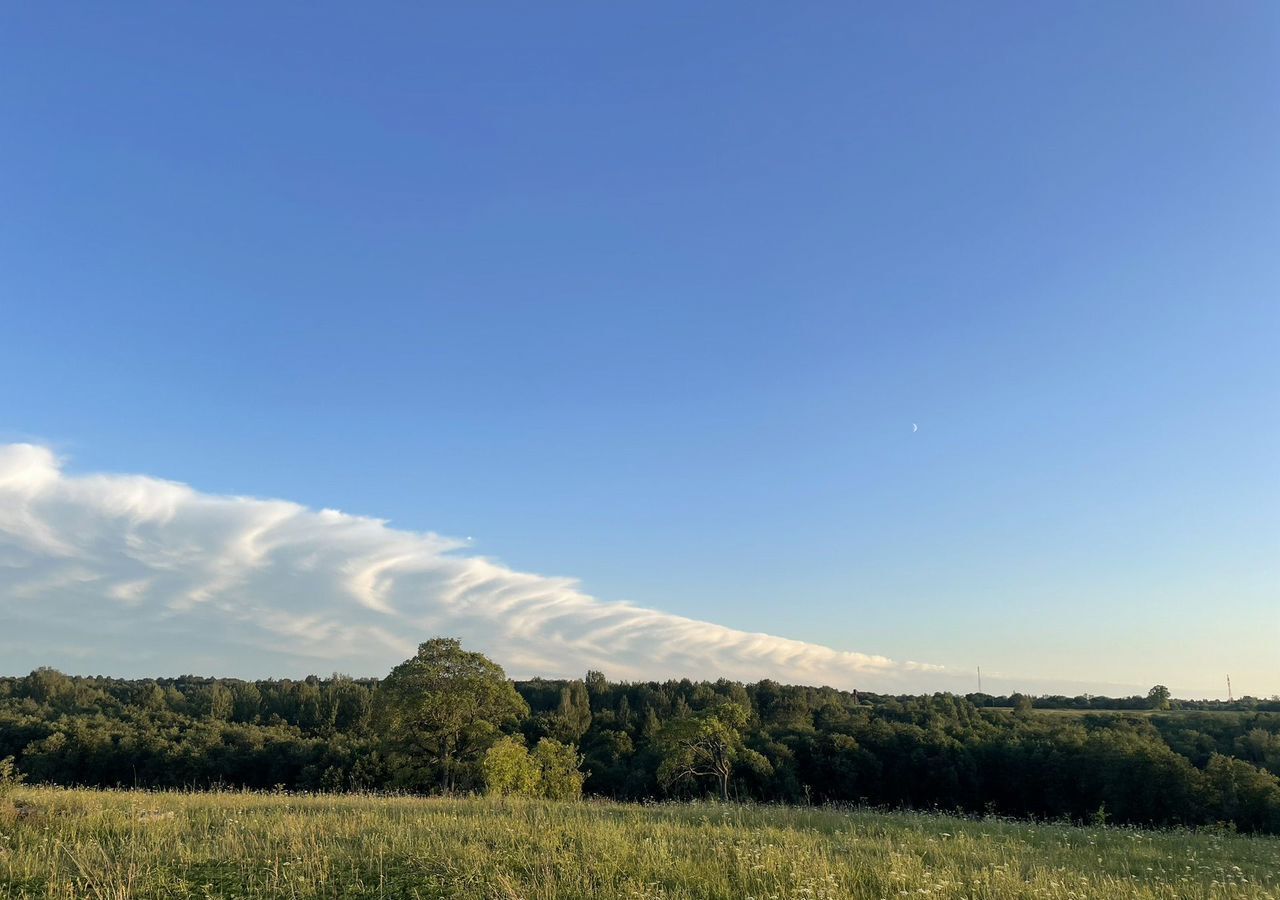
[914, 427]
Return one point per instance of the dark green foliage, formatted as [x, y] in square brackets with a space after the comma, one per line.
[707, 744]
[441, 710]
[1200, 763]
[9, 775]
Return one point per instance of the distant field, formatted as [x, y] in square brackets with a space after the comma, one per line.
[107, 844]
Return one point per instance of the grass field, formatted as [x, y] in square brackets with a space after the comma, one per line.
[96, 844]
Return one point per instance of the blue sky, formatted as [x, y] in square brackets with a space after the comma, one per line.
[651, 297]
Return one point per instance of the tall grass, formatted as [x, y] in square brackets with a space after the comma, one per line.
[118, 845]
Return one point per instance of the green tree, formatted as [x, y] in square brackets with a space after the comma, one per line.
[560, 775]
[248, 700]
[9, 775]
[572, 717]
[46, 685]
[152, 698]
[1243, 794]
[652, 725]
[597, 685]
[1260, 747]
[1158, 697]
[704, 745]
[347, 702]
[552, 770]
[509, 769]
[220, 702]
[445, 706]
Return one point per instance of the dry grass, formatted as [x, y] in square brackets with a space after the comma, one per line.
[118, 845]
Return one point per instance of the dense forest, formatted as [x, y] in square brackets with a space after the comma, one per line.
[450, 720]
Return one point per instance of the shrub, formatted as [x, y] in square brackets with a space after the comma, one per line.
[550, 771]
[559, 775]
[9, 775]
[509, 770]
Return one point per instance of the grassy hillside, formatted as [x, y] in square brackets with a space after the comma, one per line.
[108, 844]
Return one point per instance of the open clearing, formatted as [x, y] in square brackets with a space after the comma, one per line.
[117, 844]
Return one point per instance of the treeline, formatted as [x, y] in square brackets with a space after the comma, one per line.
[449, 720]
[1085, 702]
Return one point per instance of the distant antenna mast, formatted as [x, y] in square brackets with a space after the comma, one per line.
[979, 679]
[1230, 699]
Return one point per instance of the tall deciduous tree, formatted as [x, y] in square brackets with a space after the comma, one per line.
[707, 744]
[445, 706]
[573, 715]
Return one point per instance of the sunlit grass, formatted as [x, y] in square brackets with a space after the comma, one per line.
[117, 844]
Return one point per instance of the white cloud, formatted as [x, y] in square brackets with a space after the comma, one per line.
[146, 576]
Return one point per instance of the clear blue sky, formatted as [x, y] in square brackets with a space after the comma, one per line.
[651, 295]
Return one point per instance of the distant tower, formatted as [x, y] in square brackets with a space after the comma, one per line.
[979, 679]
[1230, 699]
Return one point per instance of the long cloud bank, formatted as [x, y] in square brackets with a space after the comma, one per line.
[129, 574]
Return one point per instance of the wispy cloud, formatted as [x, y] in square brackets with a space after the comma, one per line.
[147, 575]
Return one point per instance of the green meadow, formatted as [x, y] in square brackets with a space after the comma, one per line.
[63, 843]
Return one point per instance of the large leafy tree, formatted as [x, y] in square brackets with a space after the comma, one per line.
[441, 709]
[1158, 697]
[707, 744]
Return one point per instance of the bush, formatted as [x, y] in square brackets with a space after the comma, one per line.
[559, 775]
[509, 770]
[550, 771]
[9, 775]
